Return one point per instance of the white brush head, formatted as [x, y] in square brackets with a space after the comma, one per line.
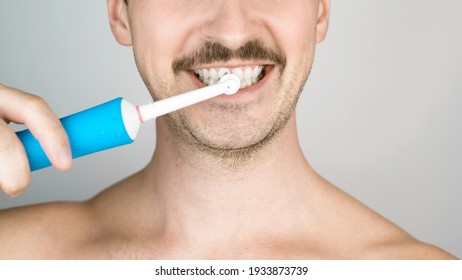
[233, 83]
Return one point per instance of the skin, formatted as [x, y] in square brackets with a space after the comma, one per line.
[216, 187]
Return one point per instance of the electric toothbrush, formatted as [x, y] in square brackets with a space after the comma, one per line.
[116, 122]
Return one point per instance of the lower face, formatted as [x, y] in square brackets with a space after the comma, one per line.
[233, 126]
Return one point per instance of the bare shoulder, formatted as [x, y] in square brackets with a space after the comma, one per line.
[67, 230]
[388, 241]
[385, 240]
[407, 248]
[365, 234]
[45, 231]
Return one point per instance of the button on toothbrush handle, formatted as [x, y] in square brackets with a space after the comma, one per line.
[96, 129]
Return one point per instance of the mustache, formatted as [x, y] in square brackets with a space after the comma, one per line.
[212, 52]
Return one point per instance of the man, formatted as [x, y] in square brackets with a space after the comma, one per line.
[228, 179]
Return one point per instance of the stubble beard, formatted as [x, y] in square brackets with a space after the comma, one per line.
[237, 143]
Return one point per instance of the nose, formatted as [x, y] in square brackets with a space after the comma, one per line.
[230, 22]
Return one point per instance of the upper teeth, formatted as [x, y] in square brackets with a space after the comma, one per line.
[248, 75]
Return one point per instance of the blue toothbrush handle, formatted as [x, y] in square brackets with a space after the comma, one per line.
[89, 131]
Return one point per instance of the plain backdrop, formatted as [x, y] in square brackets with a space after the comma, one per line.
[380, 116]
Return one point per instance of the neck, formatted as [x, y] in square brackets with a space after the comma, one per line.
[197, 195]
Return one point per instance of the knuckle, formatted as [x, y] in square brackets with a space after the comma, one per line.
[35, 107]
[58, 130]
[34, 102]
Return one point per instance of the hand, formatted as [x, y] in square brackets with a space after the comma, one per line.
[33, 111]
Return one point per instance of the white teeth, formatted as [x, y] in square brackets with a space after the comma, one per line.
[206, 74]
[248, 75]
[238, 72]
[213, 76]
[223, 71]
[256, 73]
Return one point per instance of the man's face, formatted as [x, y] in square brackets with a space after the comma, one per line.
[183, 45]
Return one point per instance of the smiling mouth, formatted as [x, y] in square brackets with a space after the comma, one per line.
[249, 75]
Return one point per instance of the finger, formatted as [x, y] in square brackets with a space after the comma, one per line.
[14, 166]
[34, 112]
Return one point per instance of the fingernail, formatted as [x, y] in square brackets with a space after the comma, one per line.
[65, 157]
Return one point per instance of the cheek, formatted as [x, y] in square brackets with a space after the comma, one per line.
[295, 33]
[157, 39]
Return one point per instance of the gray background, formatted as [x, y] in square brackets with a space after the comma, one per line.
[380, 116]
